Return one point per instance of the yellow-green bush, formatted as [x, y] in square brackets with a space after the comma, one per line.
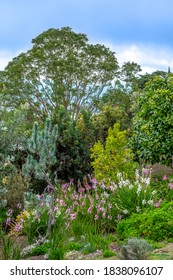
[113, 157]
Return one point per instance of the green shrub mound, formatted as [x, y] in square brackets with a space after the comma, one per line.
[156, 225]
[135, 249]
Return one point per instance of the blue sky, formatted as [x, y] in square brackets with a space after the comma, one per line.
[137, 30]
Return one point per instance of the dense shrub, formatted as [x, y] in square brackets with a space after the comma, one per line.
[12, 187]
[16, 187]
[72, 148]
[113, 157]
[156, 224]
[135, 249]
[152, 123]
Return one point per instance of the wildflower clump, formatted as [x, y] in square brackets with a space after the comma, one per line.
[90, 201]
[133, 196]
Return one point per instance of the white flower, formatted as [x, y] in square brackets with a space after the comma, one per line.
[147, 181]
[113, 188]
[154, 192]
[106, 195]
[150, 202]
[119, 176]
[131, 186]
[144, 202]
[125, 211]
[139, 189]
[138, 210]
[137, 174]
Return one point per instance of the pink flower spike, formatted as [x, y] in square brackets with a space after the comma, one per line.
[19, 205]
[71, 181]
[164, 178]
[119, 217]
[157, 204]
[68, 211]
[62, 203]
[37, 216]
[8, 221]
[18, 227]
[171, 186]
[73, 216]
[56, 209]
[89, 210]
[103, 215]
[96, 217]
[9, 212]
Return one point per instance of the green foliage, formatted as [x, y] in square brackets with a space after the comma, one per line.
[163, 190]
[58, 241]
[81, 226]
[9, 249]
[88, 248]
[156, 224]
[113, 157]
[15, 128]
[74, 246]
[133, 196]
[153, 122]
[129, 74]
[39, 250]
[108, 253]
[56, 253]
[42, 146]
[34, 223]
[3, 216]
[118, 107]
[161, 170]
[3, 202]
[12, 187]
[135, 249]
[88, 208]
[143, 79]
[62, 68]
[105, 119]
[6, 169]
[16, 186]
[73, 154]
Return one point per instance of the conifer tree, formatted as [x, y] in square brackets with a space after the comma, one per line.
[42, 148]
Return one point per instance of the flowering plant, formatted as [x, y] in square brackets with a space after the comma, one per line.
[133, 196]
[90, 201]
[164, 188]
[30, 222]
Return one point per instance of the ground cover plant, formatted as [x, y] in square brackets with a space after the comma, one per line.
[156, 224]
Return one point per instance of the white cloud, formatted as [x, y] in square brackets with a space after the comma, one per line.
[149, 57]
[6, 56]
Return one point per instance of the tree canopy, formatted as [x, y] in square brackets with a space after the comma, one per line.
[153, 122]
[62, 68]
